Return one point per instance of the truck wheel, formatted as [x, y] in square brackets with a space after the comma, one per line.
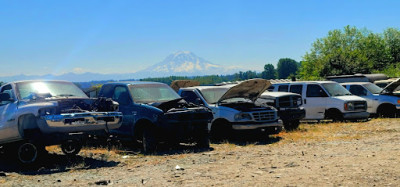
[149, 141]
[386, 111]
[203, 140]
[291, 125]
[220, 130]
[27, 153]
[334, 115]
[71, 147]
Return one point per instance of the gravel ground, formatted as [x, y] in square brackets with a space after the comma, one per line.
[328, 154]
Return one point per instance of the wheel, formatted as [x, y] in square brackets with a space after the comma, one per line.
[386, 111]
[334, 115]
[71, 147]
[220, 131]
[203, 140]
[27, 153]
[149, 141]
[291, 125]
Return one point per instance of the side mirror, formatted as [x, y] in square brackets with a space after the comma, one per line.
[5, 97]
[198, 101]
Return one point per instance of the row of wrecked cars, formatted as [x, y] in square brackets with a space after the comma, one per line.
[35, 114]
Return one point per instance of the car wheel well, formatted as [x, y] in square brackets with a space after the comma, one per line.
[26, 122]
[139, 128]
[386, 110]
[334, 114]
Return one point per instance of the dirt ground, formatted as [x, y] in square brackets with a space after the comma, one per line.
[328, 154]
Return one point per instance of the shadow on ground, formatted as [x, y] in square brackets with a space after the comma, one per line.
[53, 163]
[249, 138]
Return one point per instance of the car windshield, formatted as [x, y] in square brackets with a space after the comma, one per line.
[335, 89]
[212, 95]
[152, 93]
[374, 89]
[28, 90]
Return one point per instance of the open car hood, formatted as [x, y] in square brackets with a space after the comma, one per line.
[250, 89]
[176, 84]
[392, 87]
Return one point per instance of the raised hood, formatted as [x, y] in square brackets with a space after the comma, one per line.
[392, 87]
[250, 89]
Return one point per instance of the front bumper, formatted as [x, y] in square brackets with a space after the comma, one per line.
[80, 122]
[252, 125]
[356, 115]
[289, 114]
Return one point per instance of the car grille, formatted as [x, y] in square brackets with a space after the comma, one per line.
[289, 101]
[264, 115]
[360, 105]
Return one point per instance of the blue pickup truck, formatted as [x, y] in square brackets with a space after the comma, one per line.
[153, 112]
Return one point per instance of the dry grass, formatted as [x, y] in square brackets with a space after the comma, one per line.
[325, 132]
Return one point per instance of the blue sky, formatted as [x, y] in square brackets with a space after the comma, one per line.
[40, 37]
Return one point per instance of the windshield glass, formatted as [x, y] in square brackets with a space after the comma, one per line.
[374, 89]
[152, 93]
[335, 89]
[212, 95]
[27, 90]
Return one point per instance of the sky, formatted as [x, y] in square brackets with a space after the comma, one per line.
[118, 36]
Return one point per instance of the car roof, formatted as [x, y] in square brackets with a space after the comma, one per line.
[305, 82]
[44, 80]
[208, 87]
[358, 83]
[134, 83]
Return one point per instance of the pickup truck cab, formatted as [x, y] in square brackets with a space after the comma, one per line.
[233, 107]
[288, 105]
[382, 102]
[153, 112]
[34, 114]
[327, 100]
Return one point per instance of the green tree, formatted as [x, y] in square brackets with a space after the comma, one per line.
[392, 40]
[346, 51]
[269, 72]
[286, 67]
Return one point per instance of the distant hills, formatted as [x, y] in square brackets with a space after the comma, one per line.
[183, 63]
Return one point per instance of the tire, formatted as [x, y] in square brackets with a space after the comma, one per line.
[291, 125]
[386, 111]
[71, 148]
[149, 142]
[334, 115]
[203, 140]
[27, 153]
[220, 131]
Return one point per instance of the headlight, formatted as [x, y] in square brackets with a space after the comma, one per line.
[349, 106]
[47, 111]
[242, 116]
[398, 101]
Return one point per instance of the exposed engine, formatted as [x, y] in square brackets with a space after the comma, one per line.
[84, 105]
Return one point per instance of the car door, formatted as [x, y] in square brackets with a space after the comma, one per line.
[314, 101]
[8, 121]
[122, 95]
[372, 101]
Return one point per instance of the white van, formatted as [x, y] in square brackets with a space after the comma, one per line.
[326, 100]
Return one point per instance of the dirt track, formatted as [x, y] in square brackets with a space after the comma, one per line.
[330, 154]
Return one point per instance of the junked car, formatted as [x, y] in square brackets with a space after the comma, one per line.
[382, 102]
[327, 100]
[154, 113]
[288, 105]
[233, 107]
[34, 114]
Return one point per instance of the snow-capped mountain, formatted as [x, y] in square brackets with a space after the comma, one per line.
[183, 63]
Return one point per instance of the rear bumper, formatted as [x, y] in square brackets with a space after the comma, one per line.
[80, 122]
[356, 115]
[252, 126]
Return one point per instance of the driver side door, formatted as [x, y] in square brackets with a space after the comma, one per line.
[315, 101]
[8, 110]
